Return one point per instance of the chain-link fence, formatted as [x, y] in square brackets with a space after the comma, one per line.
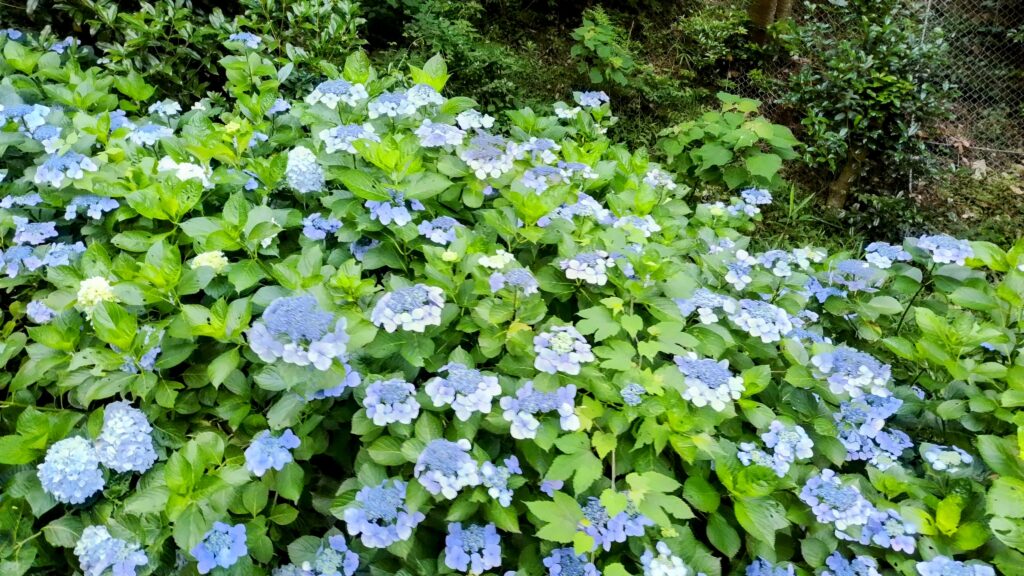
[986, 64]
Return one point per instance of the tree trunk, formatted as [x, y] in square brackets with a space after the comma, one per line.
[764, 13]
[839, 189]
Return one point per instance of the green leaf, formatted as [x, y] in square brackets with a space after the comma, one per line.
[947, 514]
[723, 536]
[701, 494]
[114, 325]
[761, 518]
[1001, 455]
[64, 532]
[16, 450]
[386, 451]
[764, 165]
[1006, 497]
[559, 518]
[222, 366]
[712, 155]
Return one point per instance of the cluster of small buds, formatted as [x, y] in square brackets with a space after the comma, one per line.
[566, 562]
[380, 515]
[561, 349]
[391, 401]
[269, 451]
[707, 304]
[57, 167]
[852, 372]
[95, 206]
[303, 171]
[345, 136]
[316, 227]
[709, 383]
[948, 459]
[632, 394]
[185, 171]
[946, 249]
[488, 155]
[413, 308]
[590, 267]
[440, 230]
[331, 92]
[756, 196]
[761, 320]
[91, 292]
[395, 209]
[436, 135]
[296, 330]
[522, 409]
[520, 279]
[467, 390]
[834, 502]
[445, 467]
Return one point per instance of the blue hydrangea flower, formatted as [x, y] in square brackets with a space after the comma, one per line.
[11, 33]
[856, 275]
[296, 330]
[316, 227]
[946, 566]
[591, 99]
[221, 547]
[708, 383]
[280, 105]
[70, 472]
[474, 120]
[412, 308]
[522, 410]
[49, 136]
[474, 549]
[467, 390]
[540, 178]
[761, 320]
[664, 563]
[888, 529]
[561, 349]
[28, 116]
[949, 459]
[607, 530]
[859, 566]
[860, 424]
[852, 372]
[38, 312]
[391, 105]
[440, 230]
[540, 150]
[361, 246]
[590, 267]
[290, 570]
[549, 487]
[151, 337]
[632, 394]
[643, 224]
[515, 279]
[32, 233]
[331, 92]
[345, 136]
[62, 45]
[814, 289]
[100, 553]
[125, 443]
[149, 134]
[390, 401]
[119, 119]
[706, 303]
[570, 170]
[585, 207]
[756, 196]
[445, 467]
[789, 443]
[335, 559]
[303, 171]
[738, 274]
[883, 254]
[95, 206]
[17, 257]
[165, 108]
[268, 451]
[495, 479]
[380, 515]
[436, 135]
[946, 249]
[834, 502]
[25, 200]
[249, 39]
[488, 155]
[762, 567]
[395, 209]
[565, 562]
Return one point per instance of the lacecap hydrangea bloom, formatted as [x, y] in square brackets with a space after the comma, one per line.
[296, 330]
[95, 206]
[412, 308]
[303, 171]
[316, 227]
[852, 372]
[488, 155]
[761, 320]
[391, 401]
[606, 530]
[499, 260]
[561, 349]
[331, 92]
[632, 394]
[762, 567]
[948, 459]
[437, 135]
[474, 549]
[380, 516]
[334, 559]
[125, 443]
[268, 451]
[32, 233]
[662, 562]
[38, 312]
[165, 107]
[861, 426]
[345, 136]
[221, 547]
[838, 565]
[834, 502]
[495, 478]
[708, 383]
[946, 566]
[884, 255]
[57, 167]
[522, 409]
[214, 259]
[520, 279]
[445, 467]
[149, 134]
[100, 553]
[590, 267]
[467, 390]
[593, 99]
[565, 562]
[70, 471]
[474, 120]
[887, 529]
[440, 230]
[706, 303]
[789, 443]
[856, 275]
[395, 209]
[946, 249]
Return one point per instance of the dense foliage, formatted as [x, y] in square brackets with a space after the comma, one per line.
[367, 329]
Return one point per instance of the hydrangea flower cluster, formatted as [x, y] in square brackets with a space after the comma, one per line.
[789, 443]
[38, 312]
[149, 134]
[761, 320]
[467, 390]
[391, 401]
[522, 409]
[762, 567]
[440, 230]
[706, 303]
[585, 207]
[946, 249]
[887, 529]
[948, 459]
[474, 549]
[861, 425]
[488, 155]
[708, 383]
[607, 530]
[592, 99]
[834, 502]
[946, 566]
[335, 559]
[316, 227]
[70, 472]
[632, 394]
[852, 372]
[221, 547]
[296, 330]
[98, 552]
[474, 120]
[495, 479]
[331, 92]
[662, 562]
[561, 349]
[70, 165]
[590, 267]
[445, 467]
[380, 516]
[268, 451]
[95, 206]
[437, 135]
[859, 566]
[32, 233]
[214, 259]
[395, 209]
[883, 255]
[540, 178]
[565, 562]
[249, 39]
[345, 136]
[520, 279]
[412, 308]
[303, 171]
[856, 275]
[125, 443]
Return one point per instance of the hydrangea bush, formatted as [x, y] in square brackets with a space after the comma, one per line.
[370, 330]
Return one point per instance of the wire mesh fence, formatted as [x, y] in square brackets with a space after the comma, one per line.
[986, 64]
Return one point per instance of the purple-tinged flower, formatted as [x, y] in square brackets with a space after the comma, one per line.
[38, 312]
[32, 233]
[100, 553]
[756, 196]
[883, 254]
[565, 562]
[303, 171]
[852, 372]
[762, 567]
[380, 515]
[165, 108]
[761, 320]
[590, 267]
[440, 230]
[280, 105]
[549, 487]
[391, 401]
[467, 390]
[445, 467]
[474, 549]
[495, 478]
[345, 136]
[395, 209]
[391, 105]
[316, 227]
[149, 134]
[540, 178]
[474, 120]
[515, 279]
[331, 92]
[664, 563]
[838, 565]
[946, 566]
[593, 99]
[437, 135]
[267, 451]
[632, 394]
[125, 443]
[585, 206]
[834, 502]
[249, 39]
[95, 206]
[221, 547]
[361, 246]
[25, 200]
[561, 349]
[606, 530]
[522, 409]
[412, 308]
[856, 275]
[296, 330]
[946, 249]
[949, 459]
[708, 383]
[539, 149]
[707, 304]
[488, 155]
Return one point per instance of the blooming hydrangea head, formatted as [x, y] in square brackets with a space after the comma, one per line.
[590, 267]
[606, 530]
[632, 394]
[856, 275]
[852, 372]
[303, 171]
[662, 562]
[221, 547]
[391, 105]
[838, 565]
[380, 515]
[91, 292]
[95, 206]
[946, 566]
[522, 409]
[38, 312]
[391, 401]
[316, 227]
[584, 207]
[395, 209]
[334, 559]
[269, 451]
[412, 308]
[495, 478]
[57, 167]
[100, 553]
[474, 549]
[549, 487]
[834, 502]
[540, 178]
[565, 562]
[440, 230]
[32, 233]
[561, 349]
[214, 259]
[499, 260]
[185, 171]
[756, 196]
[948, 459]
[709, 383]
[761, 320]
[296, 330]
[70, 471]
[883, 254]
[345, 136]
[437, 135]
[331, 92]
[488, 155]
[946, 249]
[762, 567]
[445, 467]
[165, 108]
[707, 304]
[149, 134]
[592, 99]
[249, 39]
[467, 390]
[520, 279]
[125, 443]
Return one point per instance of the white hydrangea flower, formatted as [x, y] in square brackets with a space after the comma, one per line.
[214, 259]
[91, 292]
[303, 172]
